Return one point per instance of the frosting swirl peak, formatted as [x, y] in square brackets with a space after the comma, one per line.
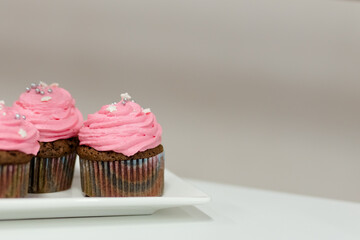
[52, 110]
[122, 127]
[17, 134]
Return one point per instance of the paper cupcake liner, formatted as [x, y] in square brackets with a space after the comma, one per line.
[14, 180]
[51, 174]
[129, 178]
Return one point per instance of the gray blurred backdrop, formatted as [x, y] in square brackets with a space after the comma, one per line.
[257, 93]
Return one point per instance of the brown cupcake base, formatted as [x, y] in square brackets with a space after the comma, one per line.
[14, 180]
[51, 174]
[128, 178]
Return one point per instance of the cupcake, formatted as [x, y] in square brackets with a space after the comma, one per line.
[121, 153]
[52, 111]
[18, 144]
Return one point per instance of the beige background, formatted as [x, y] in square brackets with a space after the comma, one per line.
[251, 92]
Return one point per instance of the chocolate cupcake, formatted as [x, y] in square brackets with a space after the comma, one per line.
[18, 144]
[121, 153]
[52, 111]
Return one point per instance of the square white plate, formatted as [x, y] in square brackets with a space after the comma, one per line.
[72, 203]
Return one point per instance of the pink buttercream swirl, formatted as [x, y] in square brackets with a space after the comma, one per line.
[123, 128]
[17, 134]
[52, 111]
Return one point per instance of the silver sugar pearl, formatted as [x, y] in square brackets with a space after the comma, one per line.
[50, 90]
[125, 99]
[28, 89]
[132, 100]
[123, 102]
[42, 92]
[24, 117]
[114, 103]
[17, 116]
[37, 90]
[33, 85]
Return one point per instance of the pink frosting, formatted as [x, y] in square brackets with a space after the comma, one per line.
[53, 112]
[122, 128]
[17, 134]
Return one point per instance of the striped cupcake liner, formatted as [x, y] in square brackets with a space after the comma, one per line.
[14, 180]
[128, 178]
[51, 174]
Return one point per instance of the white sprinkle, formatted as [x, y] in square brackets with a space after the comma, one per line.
[54, 85]
[146, 110]
[111, 108]
[2, 103]
[4, 113]
[22, 133]
[125, 95]
[46, 99]
[43, 84]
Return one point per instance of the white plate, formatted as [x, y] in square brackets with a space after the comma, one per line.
[72, 203]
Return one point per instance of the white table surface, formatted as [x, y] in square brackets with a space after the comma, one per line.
[234, 213]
